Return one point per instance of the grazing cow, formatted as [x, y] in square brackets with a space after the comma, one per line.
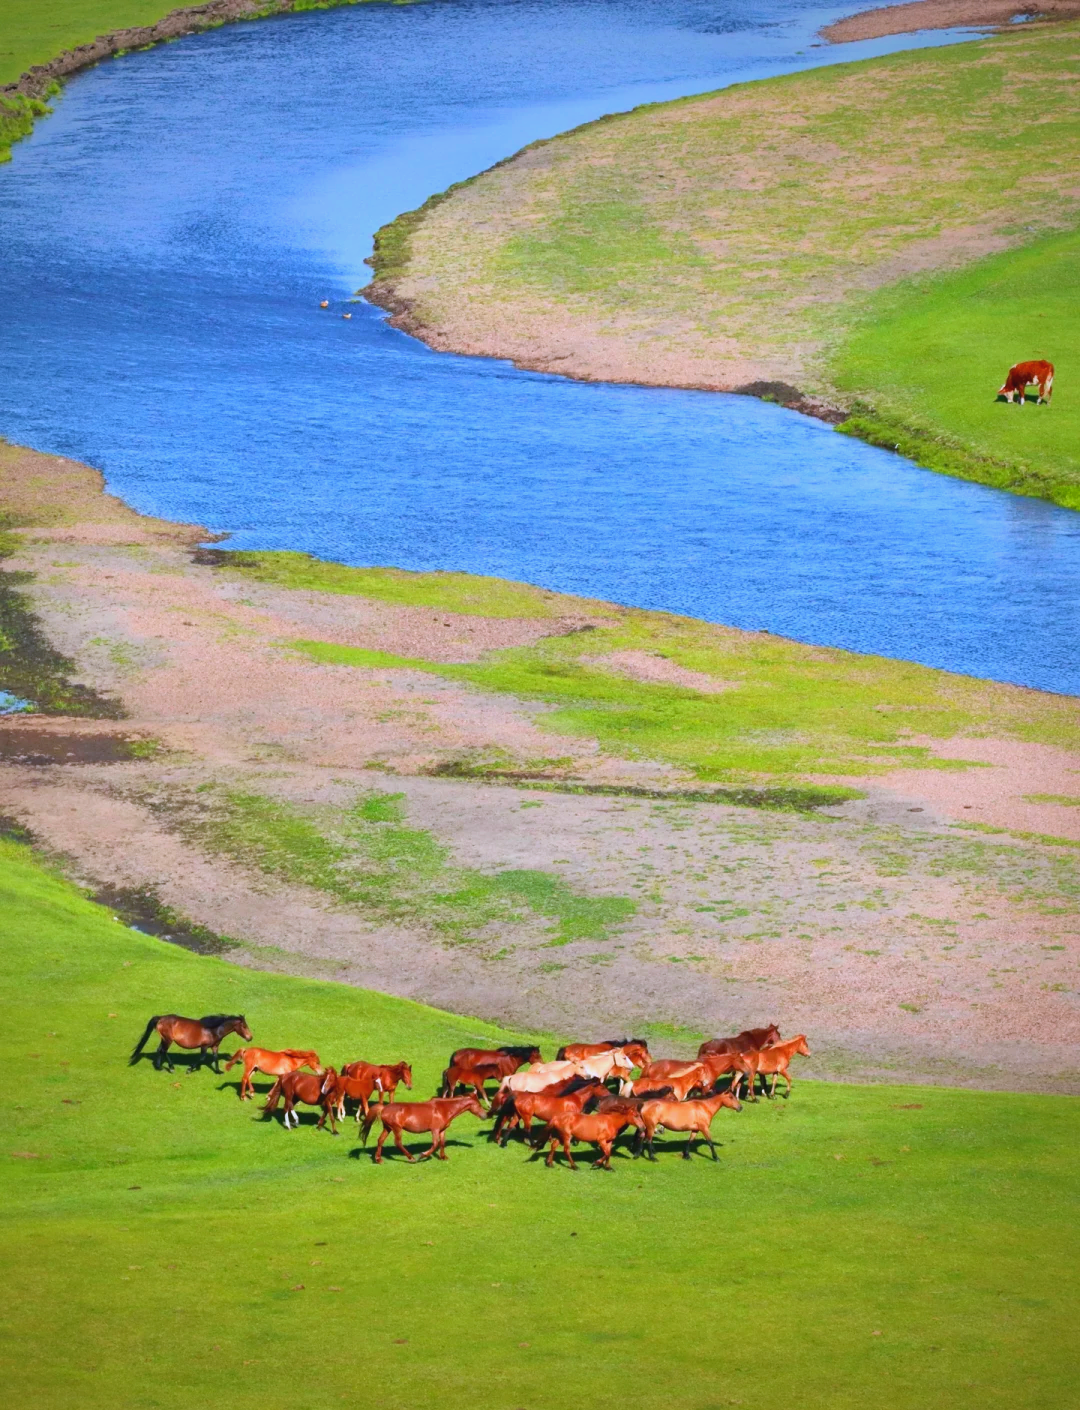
[1024, 373]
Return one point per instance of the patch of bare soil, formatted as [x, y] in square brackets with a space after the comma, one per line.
[944, 14]
[904, 946]
[658, 670]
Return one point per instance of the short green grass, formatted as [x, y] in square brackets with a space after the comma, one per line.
[370, 858]
[905, 1247]
[931, 353]
[791, 709]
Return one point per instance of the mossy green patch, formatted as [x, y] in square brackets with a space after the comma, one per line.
[369, 857]
[786, 709]
[466, 593]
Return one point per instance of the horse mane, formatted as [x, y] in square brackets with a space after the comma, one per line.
[215, 1020]
[625, 1042]
[522, 1050]
[576, 1083]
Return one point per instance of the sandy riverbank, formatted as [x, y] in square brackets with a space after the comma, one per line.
[945, 14]
[906, 947]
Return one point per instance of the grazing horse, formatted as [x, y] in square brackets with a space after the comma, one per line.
[475, 1075]
[681, 1077]
[774, 1060]
[273, 1064]
[362, 1079]
[480, 1057]
[597, 1128]
[1018, 378]
[528, 1107]
[636, 1049]
[434, 1116]
[695, 1118]
[743, 1043]
[313, 1089]
[207, 1034]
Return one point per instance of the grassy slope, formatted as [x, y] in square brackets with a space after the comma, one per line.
[156, 1244]
[756, 223]
[792, 709]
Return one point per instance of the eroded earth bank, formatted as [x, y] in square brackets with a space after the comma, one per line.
[553, 812]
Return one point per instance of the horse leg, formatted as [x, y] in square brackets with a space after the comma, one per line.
[216, 1061]
[787, 1078]
[708, 1137]
[603, 1162]
[401, 1148]
[689, 1142]
[382, 1139]
[161, 1056]
[551, 1153]
[569, 1152]
[433, 1148]
[442, 1144]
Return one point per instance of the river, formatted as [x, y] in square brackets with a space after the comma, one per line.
[168, 234]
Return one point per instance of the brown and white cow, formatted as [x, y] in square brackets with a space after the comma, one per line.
[1016, 383]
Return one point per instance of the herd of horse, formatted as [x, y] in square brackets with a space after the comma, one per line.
[590, 1093]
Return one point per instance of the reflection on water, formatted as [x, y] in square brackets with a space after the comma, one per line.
[169, 233]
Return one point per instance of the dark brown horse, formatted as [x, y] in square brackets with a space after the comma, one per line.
[743, 1042]
[365, 1079]
[312, 1089]
[207, 1034]
[434, 1116]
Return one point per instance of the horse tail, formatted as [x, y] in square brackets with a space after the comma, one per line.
[137, 1050]
[369, 1122]
[238, 1056]
[274, 1097]
[560, 1056]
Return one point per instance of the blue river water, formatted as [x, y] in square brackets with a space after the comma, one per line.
[166, 237]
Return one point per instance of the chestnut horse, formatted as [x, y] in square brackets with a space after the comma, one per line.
[362, 1079]
[311, 1088]
[774, 1060]
[479, 1057]
[749, 1038]
[681, 1077]
[207, 1034]
[636, 1049]
[597, 1128]
[434, 1116]
[273, 1064]
[492, 1069]
[528, 1107]
[695, 1118]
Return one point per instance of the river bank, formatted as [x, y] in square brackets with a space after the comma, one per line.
[370, 776]
[682, 245]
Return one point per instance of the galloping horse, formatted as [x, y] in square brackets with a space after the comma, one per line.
[207, 1034]
[681, 1077]
[597, 1128]
[636, 1049]
[311, 1088]
[695, 1118]
[434, 1116]
[362, 1079]
[743, 1043]
[774, 1060]
[273, 1064]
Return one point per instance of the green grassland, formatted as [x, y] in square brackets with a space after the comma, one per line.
[901, 1247]
[804, 225]
[791, 709]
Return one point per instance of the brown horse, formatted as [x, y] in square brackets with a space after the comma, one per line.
[527, 1107]
[273, 1064]
[681, 1077]
[434, 1116]
[474, 1075]
[743, 1043]
[774, 1060]
[480, 1057]
[313, 1089]
[597, 1128]
[207, 1034]
[366, 1078]
[636, 1049]
[695, 1118]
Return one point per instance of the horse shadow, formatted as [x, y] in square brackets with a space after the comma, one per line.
[416, 1150]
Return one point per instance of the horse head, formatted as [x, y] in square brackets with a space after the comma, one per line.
[637, 1052]
[241, 1027]
[330, 1080]
[772, 1035]
[802, 1046]
[404, 1069]
[470, 1103]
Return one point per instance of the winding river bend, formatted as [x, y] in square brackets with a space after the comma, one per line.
[167, 236]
